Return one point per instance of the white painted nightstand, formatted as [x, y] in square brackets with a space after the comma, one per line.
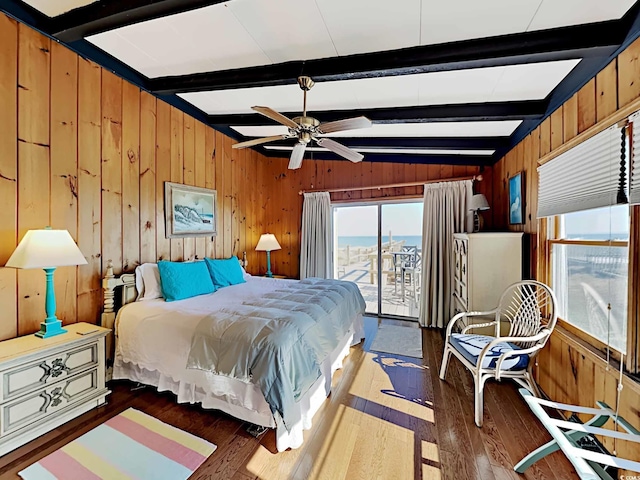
[47, 382]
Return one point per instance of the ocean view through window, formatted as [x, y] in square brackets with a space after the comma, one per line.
[589, 264]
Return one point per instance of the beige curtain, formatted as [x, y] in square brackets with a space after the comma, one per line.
[446, 211]
[315, 250]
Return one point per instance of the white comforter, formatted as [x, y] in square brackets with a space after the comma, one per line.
[144, 329]
[153, 340]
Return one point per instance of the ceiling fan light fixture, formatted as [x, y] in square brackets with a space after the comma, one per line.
[307, 129]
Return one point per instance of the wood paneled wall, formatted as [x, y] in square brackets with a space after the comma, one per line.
[614, 87]
[83, 150]
[569, 371]
[283, 203]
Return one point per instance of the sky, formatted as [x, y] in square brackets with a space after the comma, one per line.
[406, 219]
[600, 221]
[400, 218]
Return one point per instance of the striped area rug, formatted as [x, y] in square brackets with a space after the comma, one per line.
[132, 445]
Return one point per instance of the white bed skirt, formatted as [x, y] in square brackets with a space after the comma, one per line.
[245, 400]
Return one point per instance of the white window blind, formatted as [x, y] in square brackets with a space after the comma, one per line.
[587, 176]
[634, 194]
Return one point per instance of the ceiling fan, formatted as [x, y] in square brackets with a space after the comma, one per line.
[307, 129]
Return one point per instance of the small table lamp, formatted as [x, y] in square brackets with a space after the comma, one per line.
[47, 249]
[267, 243]
[478, 203]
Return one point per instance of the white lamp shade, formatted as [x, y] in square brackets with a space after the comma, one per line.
[46, 249]
[479, 202]
[268, 243]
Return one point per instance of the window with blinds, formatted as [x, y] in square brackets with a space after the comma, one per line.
[590, 175]
[634, 183]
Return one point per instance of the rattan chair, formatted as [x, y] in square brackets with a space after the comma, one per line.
[527, 313]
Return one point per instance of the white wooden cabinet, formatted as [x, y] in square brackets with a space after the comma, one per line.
[485, 265]
[47, 382]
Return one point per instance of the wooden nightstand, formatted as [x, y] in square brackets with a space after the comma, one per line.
[47, 382]
[275, 276]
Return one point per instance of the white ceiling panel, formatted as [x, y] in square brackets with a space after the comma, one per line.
[531, 81]
[454, 20]
[132, 55]
[358, 26]
[514, 82]
[53, 8]
[244, 33]
[208, 39]
[557, 13]
[408, 151]
[284, 98]
[442, 129]
[285, 30]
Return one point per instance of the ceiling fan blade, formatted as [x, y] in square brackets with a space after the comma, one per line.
[278, 117]
[258, 141]
[346, 124]
[340, 149]
[297, 155]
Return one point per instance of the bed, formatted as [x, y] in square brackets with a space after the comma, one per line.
[154, 339]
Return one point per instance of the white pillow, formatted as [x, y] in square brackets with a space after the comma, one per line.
[150, 275]
[139, 283]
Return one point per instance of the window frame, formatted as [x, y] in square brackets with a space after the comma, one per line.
[548, 231]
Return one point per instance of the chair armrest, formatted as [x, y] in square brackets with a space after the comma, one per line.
[478, 325]
[461, 315]
[545, 332]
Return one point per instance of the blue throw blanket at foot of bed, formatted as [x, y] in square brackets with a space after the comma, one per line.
[278, 341]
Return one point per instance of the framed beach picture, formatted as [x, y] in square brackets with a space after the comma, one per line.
[516, 199]
[189, 211]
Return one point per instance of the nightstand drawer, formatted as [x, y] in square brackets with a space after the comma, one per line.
[56, 397]
[22, 379]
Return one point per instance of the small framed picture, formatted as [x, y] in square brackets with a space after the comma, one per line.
[189, 211]
[516, 199]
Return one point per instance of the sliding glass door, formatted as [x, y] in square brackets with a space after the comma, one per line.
[378, 247]
[355, 249]
[401, 258]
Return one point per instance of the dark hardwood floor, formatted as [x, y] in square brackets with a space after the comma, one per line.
[388, 417]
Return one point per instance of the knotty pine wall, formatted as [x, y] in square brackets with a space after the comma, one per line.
[568, 370]
[83, 150]
[283, 204]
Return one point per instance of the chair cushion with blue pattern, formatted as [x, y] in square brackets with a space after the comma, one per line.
[470, 346]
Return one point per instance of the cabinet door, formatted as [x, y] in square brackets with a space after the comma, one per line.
[462, 289]
[457, 269]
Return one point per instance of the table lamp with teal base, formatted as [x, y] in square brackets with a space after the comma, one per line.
[268, 243]
[47, 249]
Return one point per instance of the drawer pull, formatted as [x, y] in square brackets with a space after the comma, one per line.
[56, 397]
[57, 368]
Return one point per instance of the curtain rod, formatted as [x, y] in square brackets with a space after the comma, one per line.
[477, 178]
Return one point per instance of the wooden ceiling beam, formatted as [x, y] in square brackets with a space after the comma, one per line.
[466, 160]
[106, 15]
[440, 143]
[579, 41]
[514, 110]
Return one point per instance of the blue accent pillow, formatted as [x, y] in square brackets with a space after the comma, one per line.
[180, 280]
[225, 272]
